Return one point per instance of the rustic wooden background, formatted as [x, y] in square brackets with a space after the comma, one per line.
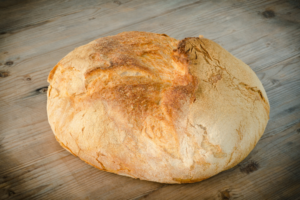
[36, 34]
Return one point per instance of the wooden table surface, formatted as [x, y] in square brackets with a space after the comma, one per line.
[36, 34]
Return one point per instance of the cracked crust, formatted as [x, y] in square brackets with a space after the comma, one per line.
[148, 106]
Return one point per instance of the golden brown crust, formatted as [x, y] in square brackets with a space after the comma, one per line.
[148, 106]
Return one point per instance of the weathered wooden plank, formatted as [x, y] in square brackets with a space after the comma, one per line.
[35, 35]
[61, 176]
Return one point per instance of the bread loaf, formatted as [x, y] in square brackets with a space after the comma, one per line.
[148, 106]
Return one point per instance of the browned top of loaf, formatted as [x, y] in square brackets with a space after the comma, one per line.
[133, 74]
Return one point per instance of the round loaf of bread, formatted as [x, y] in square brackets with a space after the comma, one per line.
[148, 106]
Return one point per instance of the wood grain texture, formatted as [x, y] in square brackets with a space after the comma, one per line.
[35, 35]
